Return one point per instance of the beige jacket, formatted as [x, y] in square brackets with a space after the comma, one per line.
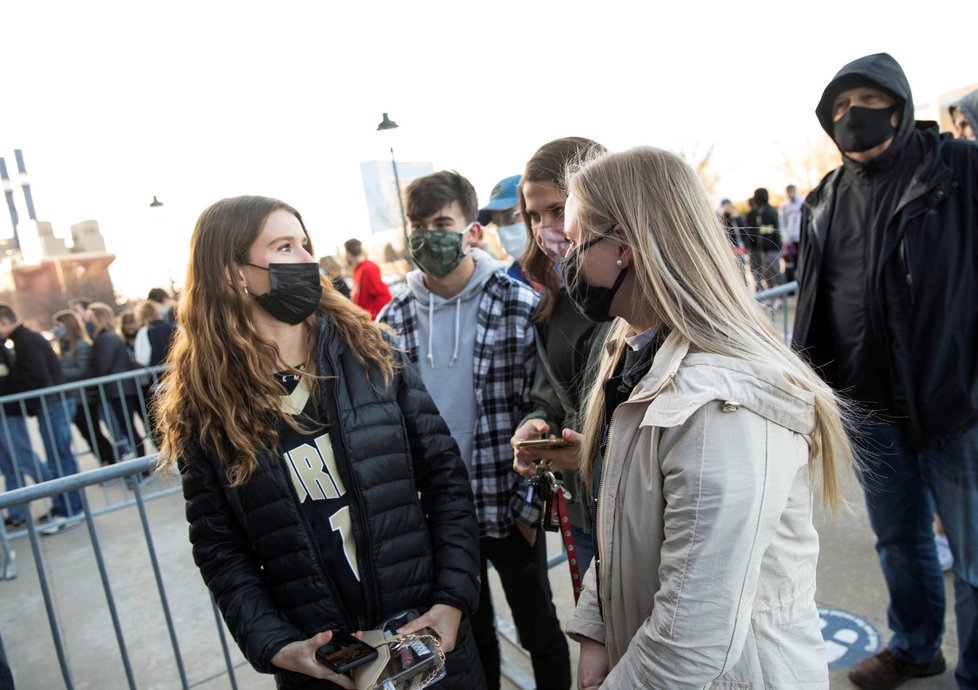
[708, 551]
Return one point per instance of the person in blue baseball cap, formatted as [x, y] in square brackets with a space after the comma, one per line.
[503, 212]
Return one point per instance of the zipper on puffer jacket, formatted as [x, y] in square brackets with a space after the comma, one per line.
[317, 554]
[371, 600]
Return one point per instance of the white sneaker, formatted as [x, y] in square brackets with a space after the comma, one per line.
[59, 525]
[944, 555]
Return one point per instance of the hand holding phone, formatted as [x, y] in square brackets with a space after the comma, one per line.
[544, 443]
[344, 652]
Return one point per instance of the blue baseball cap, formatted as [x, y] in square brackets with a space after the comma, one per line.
[503, 196]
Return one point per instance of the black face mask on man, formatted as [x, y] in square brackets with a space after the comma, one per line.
[591, 301]
[295, 291]
[861, 129]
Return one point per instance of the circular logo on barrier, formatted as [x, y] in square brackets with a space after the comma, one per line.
[848, 638]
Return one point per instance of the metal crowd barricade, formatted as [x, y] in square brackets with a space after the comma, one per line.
[776, 300]
[103, 412]
[79, 482]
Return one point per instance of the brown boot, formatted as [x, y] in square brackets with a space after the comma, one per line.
[885, 671]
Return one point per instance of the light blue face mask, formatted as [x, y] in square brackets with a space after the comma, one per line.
[513, 238]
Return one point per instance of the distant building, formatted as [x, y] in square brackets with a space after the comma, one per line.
[39, 279]
[39, 273]
[86, 237]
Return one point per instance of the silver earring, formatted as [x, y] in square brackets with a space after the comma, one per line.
[618, 262]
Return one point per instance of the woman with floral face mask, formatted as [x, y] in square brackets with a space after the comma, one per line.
[324, 492]
[566, 340]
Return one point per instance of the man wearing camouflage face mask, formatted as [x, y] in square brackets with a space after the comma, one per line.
[888, 312]
[466, 325]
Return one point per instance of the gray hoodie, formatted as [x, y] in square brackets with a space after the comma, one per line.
[446, 348]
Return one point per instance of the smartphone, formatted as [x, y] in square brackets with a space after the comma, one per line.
[344, 652]
[545, 443]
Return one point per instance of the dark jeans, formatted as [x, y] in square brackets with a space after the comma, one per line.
[54, 425]
[126, 412]
[584, 545]
[6, 677]
[523, 571]
[87, 422]
[901, 488]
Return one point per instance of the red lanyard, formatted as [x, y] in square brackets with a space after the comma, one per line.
[559, 517]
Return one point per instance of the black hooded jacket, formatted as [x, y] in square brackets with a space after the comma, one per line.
[414, 523]
[888, 291]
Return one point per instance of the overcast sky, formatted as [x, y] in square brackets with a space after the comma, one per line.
[114, 102]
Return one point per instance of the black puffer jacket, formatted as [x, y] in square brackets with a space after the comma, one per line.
[922, 291]
[413, 521]
[111, 356]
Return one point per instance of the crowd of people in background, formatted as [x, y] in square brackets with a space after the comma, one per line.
[581, 354]
[89, 340]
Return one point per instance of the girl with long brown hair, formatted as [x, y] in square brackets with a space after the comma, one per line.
[75, 350]
[566, 341]
[324, 492]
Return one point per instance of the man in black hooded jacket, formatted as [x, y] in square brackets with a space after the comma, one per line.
[888, 312]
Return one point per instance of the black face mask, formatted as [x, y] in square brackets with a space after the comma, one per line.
[294, 294]
[861, 129]
[590, 301]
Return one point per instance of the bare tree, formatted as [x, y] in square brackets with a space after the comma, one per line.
[811, 160]
[703, 167]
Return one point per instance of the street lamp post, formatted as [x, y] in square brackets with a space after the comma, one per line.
[385, 125]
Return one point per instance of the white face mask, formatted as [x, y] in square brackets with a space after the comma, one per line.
[513, 238]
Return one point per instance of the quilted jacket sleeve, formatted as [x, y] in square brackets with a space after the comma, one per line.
[446, 497]
[230, 569]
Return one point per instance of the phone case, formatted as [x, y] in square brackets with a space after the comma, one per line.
[544, 443]
[388, 671]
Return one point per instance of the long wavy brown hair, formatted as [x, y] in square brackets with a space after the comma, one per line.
[549, 165]
[74, 329]
[219, 392]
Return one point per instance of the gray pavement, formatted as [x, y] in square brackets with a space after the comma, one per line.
[849, 579]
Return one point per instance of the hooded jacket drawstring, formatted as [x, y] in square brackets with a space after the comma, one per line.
[458, 324]
[431, 331]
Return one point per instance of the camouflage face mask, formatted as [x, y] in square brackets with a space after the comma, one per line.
[437, 252]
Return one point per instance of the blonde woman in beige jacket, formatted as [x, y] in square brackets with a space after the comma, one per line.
[703, 439]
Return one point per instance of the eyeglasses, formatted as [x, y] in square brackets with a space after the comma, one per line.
[509, 217]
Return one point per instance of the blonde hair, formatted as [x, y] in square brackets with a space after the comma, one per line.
[683, 265]
[218, 392]
[331, 266]
[147, 311]
[102, 316]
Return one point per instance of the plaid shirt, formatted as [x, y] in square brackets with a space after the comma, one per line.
[504, 364]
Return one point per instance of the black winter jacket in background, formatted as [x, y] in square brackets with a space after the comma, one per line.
[35, 366]
[413, 522]
[920, 285]
[111, 356]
